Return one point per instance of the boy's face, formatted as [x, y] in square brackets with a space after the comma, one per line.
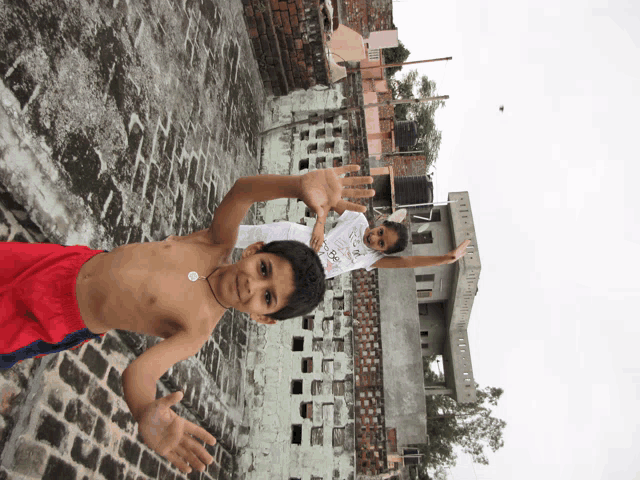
[380, 238]
[259, 284]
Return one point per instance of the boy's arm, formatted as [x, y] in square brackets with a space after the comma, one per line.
[244, 193]
[317, 235]
[321, 190]
[411, 262]
[423, 260]
[159, 426]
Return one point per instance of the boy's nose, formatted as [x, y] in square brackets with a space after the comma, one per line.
[253, 283]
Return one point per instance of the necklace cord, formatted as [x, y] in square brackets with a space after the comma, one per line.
[211, 288]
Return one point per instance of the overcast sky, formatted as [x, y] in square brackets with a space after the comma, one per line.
[554, 183]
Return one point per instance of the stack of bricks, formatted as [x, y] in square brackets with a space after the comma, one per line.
[371, 451]
[407, 165]
[288, 41]
[358, 149]
[366, 16]
[386, 114]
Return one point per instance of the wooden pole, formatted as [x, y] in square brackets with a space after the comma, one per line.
[400, 64]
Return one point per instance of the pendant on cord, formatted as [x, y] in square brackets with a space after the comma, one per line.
[194, 277]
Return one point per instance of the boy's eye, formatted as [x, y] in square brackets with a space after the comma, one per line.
[263, 269]
[380, 232]
[267, 297]
[382, 244]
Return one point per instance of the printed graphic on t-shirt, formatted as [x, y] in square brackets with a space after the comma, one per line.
[344, 249]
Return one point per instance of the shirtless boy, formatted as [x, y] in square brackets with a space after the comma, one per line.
[176, 289]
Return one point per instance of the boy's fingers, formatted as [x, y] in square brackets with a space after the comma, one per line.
[193, 457]
[358, 192]
[199, 432]
[354, 207]
[346, 169]
[355, 180]
[196, 448]
[172, 399]
[178, 462]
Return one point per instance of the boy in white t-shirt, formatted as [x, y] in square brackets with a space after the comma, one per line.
[350, 244]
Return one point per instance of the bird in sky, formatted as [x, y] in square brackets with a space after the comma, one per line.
[502, 108]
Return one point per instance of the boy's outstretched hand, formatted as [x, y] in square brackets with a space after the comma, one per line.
[173, 437]
[458, 253]
[323, 190]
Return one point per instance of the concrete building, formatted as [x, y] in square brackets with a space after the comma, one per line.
[445, 294]
[300, 372]
[416, 313]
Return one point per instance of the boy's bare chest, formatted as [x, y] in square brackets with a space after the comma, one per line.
[148, 289]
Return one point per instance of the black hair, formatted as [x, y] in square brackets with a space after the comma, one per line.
[403, 237]
[308, 274]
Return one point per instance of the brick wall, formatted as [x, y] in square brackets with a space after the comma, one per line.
[371, 450]
[288, 42]
[365, 16]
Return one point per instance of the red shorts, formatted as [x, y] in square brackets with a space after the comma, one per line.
[38, 307]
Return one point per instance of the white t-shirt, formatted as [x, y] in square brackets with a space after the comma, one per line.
[343, 249]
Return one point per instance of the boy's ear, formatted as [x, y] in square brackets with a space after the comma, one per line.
[263, 319]
[252, 249]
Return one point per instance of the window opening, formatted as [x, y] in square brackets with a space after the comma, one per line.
[316, 387]
[307, 365]
[327, 366]
[307, 323]
[298, 344]
[306, 410]
[421, 238]
[296, 434]
[296, 387]
[317, 436]
[430, 277]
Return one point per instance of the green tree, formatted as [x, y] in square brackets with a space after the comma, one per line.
[412, 86]
[394, 55]
[470, 427]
